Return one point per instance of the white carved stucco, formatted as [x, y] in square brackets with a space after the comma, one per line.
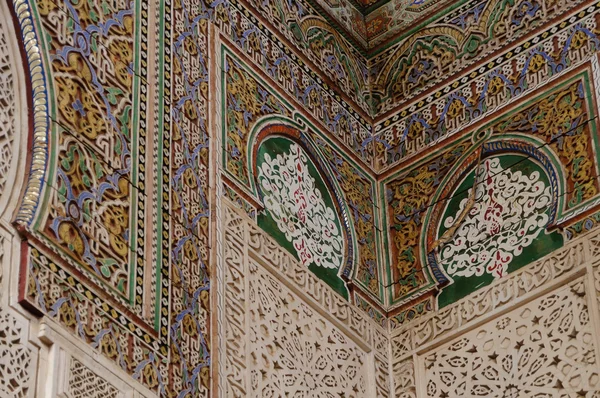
[543, 349]
[266, 292]
[279, 341]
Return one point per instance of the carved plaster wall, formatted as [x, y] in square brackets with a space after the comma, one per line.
[283, 331]
[545, 347]
[37, 357]
[531, 334]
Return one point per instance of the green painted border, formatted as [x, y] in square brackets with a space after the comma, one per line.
[134, 151]
[52, 130]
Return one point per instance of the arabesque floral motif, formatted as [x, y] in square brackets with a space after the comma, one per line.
[508, 214]
[295, 203]
[408, 197]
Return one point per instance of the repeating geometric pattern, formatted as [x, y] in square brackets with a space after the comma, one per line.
[15, 358]
[295, 352]
[84, 383]
[7, 108]
[544, 349]
[276, 340]
[153, 318]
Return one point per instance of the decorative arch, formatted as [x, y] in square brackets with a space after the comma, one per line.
[517, 153]
[14, 122]
[20, 356]
[293, 132]
[35, 97]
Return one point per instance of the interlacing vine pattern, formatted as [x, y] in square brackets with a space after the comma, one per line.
[557, 119]
[508, 215]
[471, 97]
[188, 209]
[87, 269]
[408, 198]
[560, 119]
[457, 39]
[247, 101]
[91, 200]
[298, 208]
[542, 347]
[358, 192]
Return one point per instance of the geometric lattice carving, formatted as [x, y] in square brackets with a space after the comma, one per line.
[404, 380]
[543, 349]
[7, 109]
[595, 246]
[15, 358]
[279, 343]
[83, 383]
[488, 299]
[294, 351]
[382, 378]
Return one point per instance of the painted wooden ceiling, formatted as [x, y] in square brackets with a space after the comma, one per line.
[374, 24]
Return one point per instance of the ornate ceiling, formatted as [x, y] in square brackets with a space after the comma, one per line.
[374, 25]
